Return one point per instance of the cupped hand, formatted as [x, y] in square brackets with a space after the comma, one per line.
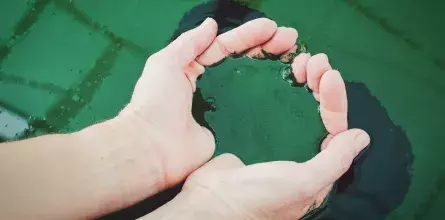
[275, 190]
[279, 190]
[160, 108]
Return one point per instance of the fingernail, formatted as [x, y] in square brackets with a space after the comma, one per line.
[363, 138]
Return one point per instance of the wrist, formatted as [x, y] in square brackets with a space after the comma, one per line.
[126, 164]
[168, 139]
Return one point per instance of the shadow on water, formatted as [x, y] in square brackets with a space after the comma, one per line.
[377, 182]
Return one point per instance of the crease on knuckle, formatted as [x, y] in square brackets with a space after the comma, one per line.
[222, 46]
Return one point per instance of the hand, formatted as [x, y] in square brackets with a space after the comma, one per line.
[276, 190]
[160, 108]
[259, 36]
[284, 190]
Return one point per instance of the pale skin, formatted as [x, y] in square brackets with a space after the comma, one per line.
[154, 143]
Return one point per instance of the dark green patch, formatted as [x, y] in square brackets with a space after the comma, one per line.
[87, 21]
[26, 22]
[254, 4]
[288, 76]
[288, 58]
[425, 208]
[382, 22]
[49, 87]
[270, 56]
[16, 111]
[309, 90]
[439, 63]
[295, 83]
[30, 17]
[81, 94]
[236, 55]
[302, 47]
[4, 51]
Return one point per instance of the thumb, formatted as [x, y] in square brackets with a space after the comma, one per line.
[192, 43]
[330, 164]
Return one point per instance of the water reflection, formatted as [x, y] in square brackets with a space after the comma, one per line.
[377, 182]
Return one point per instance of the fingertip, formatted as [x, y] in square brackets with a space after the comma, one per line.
[189, 45]
[299, 66]
[356, 139]
[269, 24]
[248, 35]
[333, 91]
[209, 21]
[330, 164]
[316, 67]
[362, 139]
[322, 56]
[283, 39]
[333, 102]
[294, 34]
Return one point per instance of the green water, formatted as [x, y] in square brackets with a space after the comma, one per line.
[71, 63]
[258, 116]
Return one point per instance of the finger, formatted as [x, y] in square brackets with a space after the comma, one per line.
[299, 66]
[333, 102]
[289, 55]
[238, 40]
[283, 39]
[193, 71]
[330, 164]
[191, 44]
[316, 67]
